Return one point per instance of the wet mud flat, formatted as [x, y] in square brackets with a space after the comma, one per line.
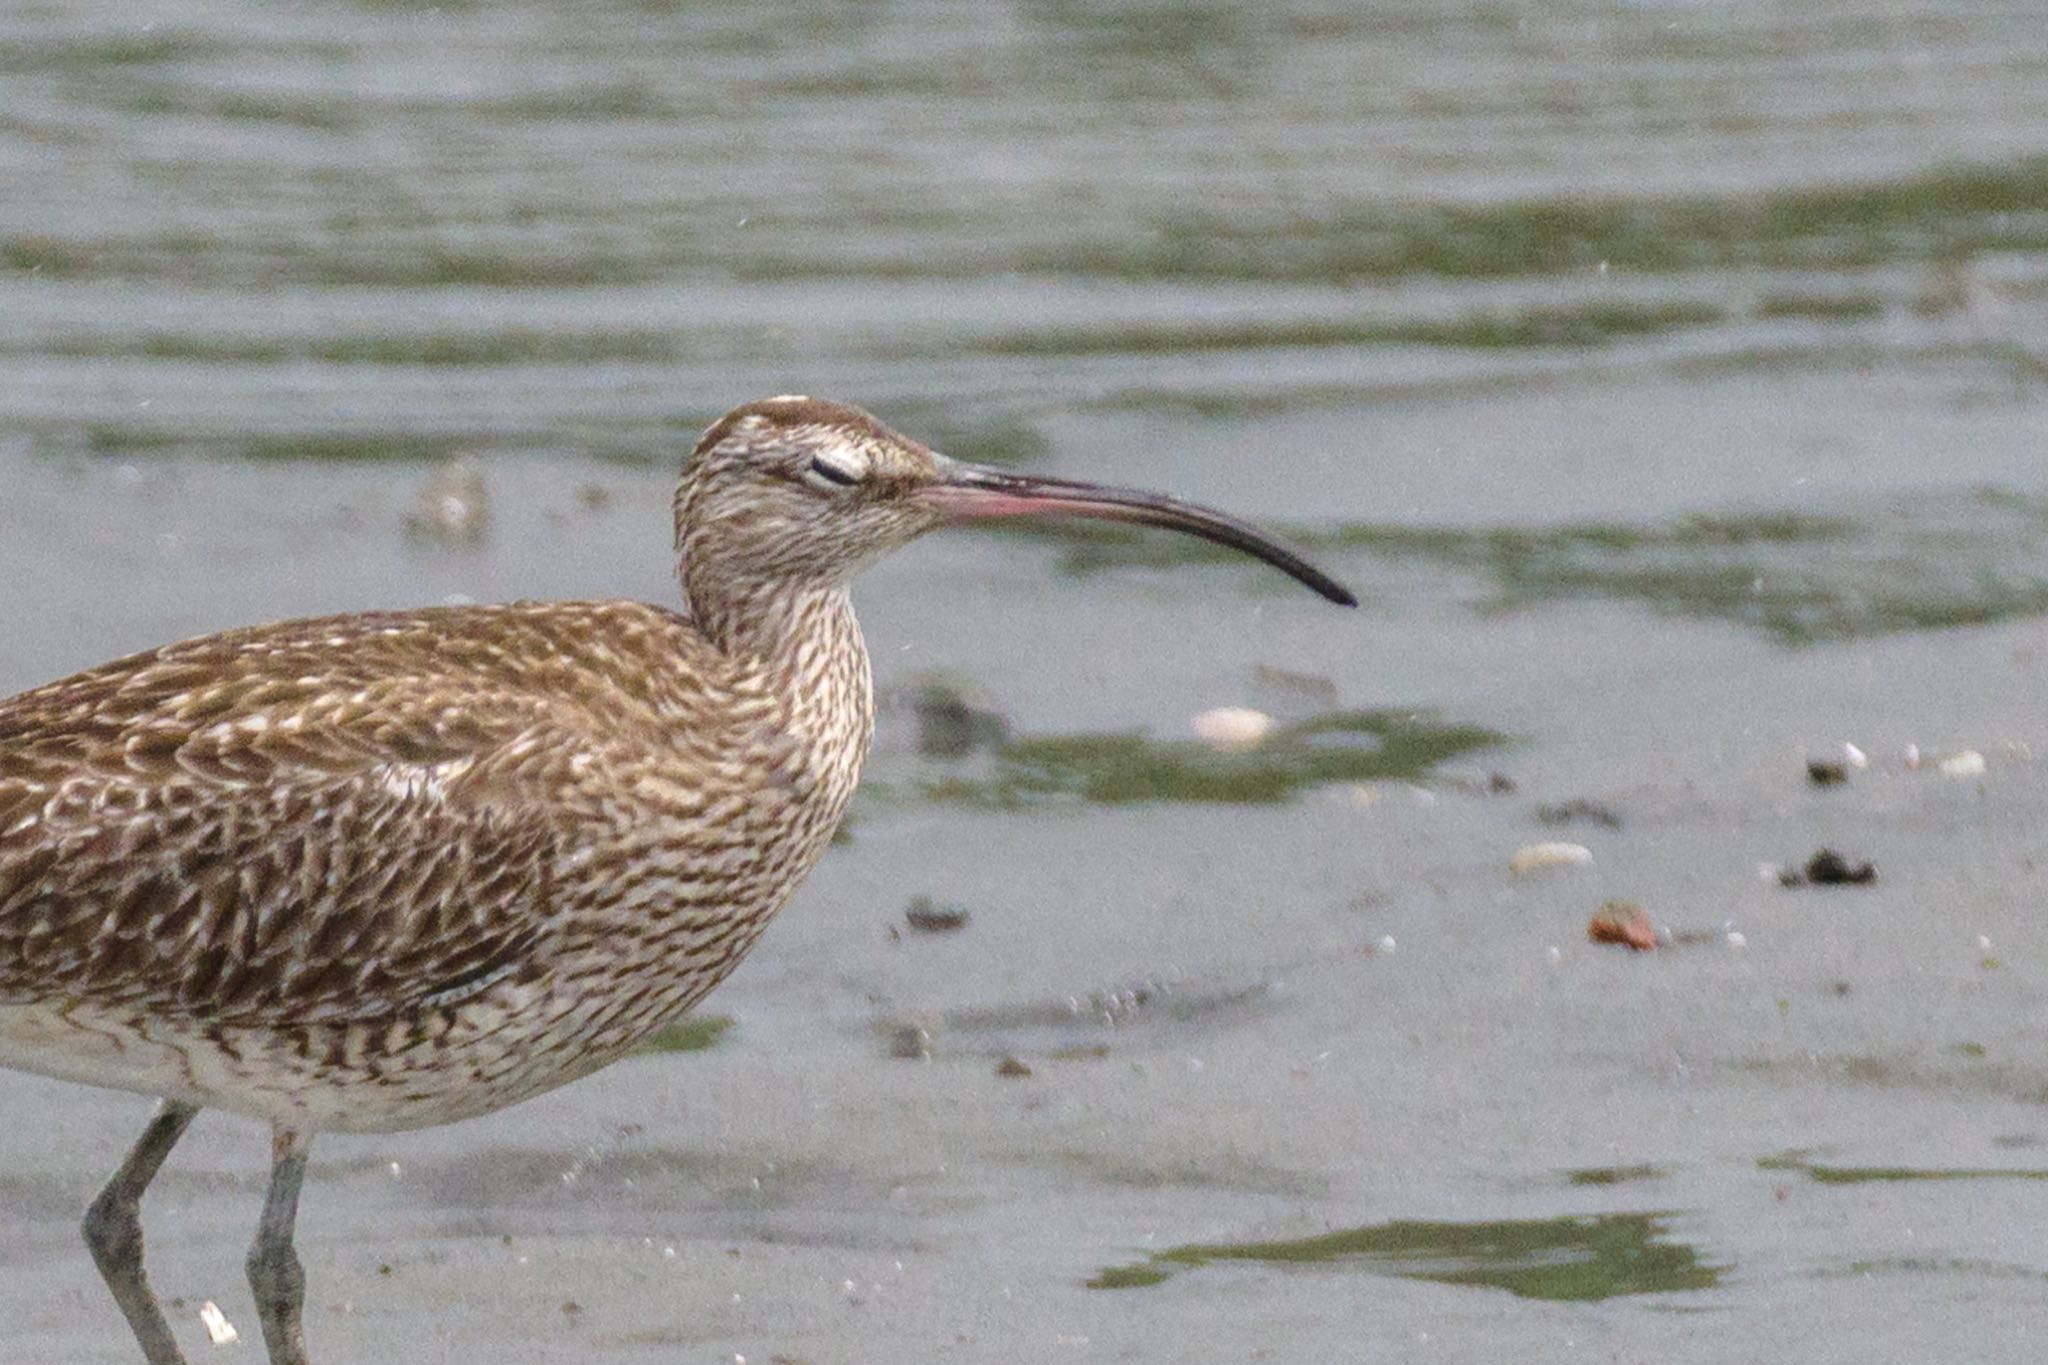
[1233, 1052]
[1669, 380]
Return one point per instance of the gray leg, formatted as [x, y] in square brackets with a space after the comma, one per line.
[113, 1229]
[274, 1270]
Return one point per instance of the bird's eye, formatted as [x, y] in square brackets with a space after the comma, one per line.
[821, 468]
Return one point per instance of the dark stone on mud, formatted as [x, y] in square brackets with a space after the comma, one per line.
[1824, 774]
[1829, 868]
[1578, 810]
[927, 917]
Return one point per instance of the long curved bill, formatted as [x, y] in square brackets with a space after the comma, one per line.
[965, 492]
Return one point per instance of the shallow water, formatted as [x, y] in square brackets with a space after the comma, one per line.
[1671, 381]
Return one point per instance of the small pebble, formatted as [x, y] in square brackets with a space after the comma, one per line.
[911, 1042]
[1013, 1066]
[1625, 923]
[1829, 868]
[1233, 727]
[1855, 757]
[219, 1330]
[1576, 811]
[454, 507]
[929, 918]
[1537, 857]
[1824, 774]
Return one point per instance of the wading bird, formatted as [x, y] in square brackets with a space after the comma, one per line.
[382, 871]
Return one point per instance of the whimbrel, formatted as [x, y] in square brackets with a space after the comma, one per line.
[382, 871]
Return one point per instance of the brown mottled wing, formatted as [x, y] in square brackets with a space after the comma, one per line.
[319, 820]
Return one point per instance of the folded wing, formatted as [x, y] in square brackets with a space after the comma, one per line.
[222, 832]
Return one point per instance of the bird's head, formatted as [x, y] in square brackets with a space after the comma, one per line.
[799, 492]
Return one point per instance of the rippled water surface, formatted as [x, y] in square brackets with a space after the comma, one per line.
[1671, 381]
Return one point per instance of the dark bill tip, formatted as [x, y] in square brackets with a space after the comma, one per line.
[971, 493]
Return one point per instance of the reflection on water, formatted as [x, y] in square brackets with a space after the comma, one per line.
[1577, 1258]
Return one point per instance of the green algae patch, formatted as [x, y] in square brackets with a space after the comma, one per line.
[1600, 1176]
[407, 237]
[326, 447]
[1958, 559]
[1822, 307]
[695, 1033]
[1138, 1276]
[601, 102]
[161, 98]
[1945, 211]
[451, 349]
[1948, 1266]
[1822, 1173]
[1580, 325]
[1575, 1259]
[370, 447]
[1119, 769]
[38, 253]
[1526, 560]
[94, 55]
[1000, 438]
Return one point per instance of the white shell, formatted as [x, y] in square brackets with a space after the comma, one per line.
[1232, 727]
[1968, 763]
[1536, 857]
[218, 1329]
